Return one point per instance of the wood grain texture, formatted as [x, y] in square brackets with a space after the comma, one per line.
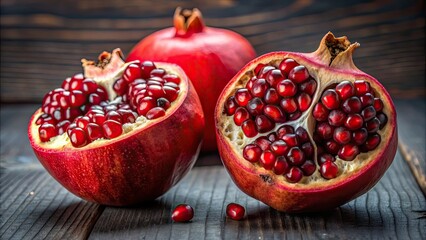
[412, 137]
[42, 42]
[394, 208]
[34, 206]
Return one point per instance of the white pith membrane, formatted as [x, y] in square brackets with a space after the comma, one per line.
[234, 135]
[62, 141]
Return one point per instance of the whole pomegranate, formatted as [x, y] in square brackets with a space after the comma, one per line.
[120, 134]
[209, 56]
[306, 131]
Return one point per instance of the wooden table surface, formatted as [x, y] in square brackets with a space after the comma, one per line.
[43, 41]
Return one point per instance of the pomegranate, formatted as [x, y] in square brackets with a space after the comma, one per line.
[183, 213]
[120, 134]
[317, 136]
[235, 211]
[210, 57]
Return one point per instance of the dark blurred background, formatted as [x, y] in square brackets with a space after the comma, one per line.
[42, 41]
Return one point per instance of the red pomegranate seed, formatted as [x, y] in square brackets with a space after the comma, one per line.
[284, 130]
[287, 65]
[281, 166]
[361, 87]
[299, 74]
[45, 118]
[171, 93]
[120, 86]
[294, 175]
[171, 78]
[146, 104]
[255, 106]
[371, 143]
[372, 125]
[345, 90]
[112, 129]
[308, 168]
[308, 149]
[286, 88]
[241, 114]
[172, 85]
[250, 83]
[146, 69]
[132, 72]
[242, 97]
[342, 135]
[113, 115]
[127, 116]
[77, 98]
[296, 156]
[274, 113]
[235, 211]
[71, 127]
[267, 159]
[98, 118]
[289, 105]
[324, 130]
[258, 68]
[102, 93]
[163, 103]
[326, 157]
[230, 106]
[94, 131]
[368, 113]
[271, 96]
[336, 118]
[279, 147]
[354, 121]
[383, 120]
[348, 152]
[94, 99]
[378, 104]
[290, 139]
[366, 100]
[330, 99]
[352, 105]
[155, 91]
[329, 170]
[89, 86]
[320, 112]
[64, 99]
[76, 84]
[274, 76]
[62, 126]
[302, 135]
[272, 137]
[249, 128]
[304, 101]
[154, 82]
[332, 147]
[260, 86]
[252, 152]
[308, 87]
[360, 136]
[263, 143]
[155, 113]
[159, 72]
[82, 121]
[263, 124]
[182, 213]
[78, 137]
[265, 70]
[47, 131]
[65, 84]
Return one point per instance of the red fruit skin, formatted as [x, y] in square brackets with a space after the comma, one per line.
[209, 56]
[269, 188]
[135, 167]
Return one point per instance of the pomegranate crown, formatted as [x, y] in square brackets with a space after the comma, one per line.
[188, 21]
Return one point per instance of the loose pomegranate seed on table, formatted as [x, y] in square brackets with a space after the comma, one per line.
[82, 110]
[346, 116]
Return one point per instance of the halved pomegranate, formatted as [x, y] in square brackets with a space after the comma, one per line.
[306, 131]
[120, 134]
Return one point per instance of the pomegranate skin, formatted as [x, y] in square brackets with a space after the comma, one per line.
[271, 189]
[209, 56]
[135, 167]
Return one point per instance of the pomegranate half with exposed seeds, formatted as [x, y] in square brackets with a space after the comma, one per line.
[209, 56]
[120, 134]
[306, 131]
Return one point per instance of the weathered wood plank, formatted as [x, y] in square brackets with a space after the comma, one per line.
[412, 141]
[43, 41]
[394, 208]
[34, 206]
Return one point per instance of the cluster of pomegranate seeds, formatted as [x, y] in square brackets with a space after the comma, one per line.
[287, 152]
[274, 95]
[81, 107]
[348, 117]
